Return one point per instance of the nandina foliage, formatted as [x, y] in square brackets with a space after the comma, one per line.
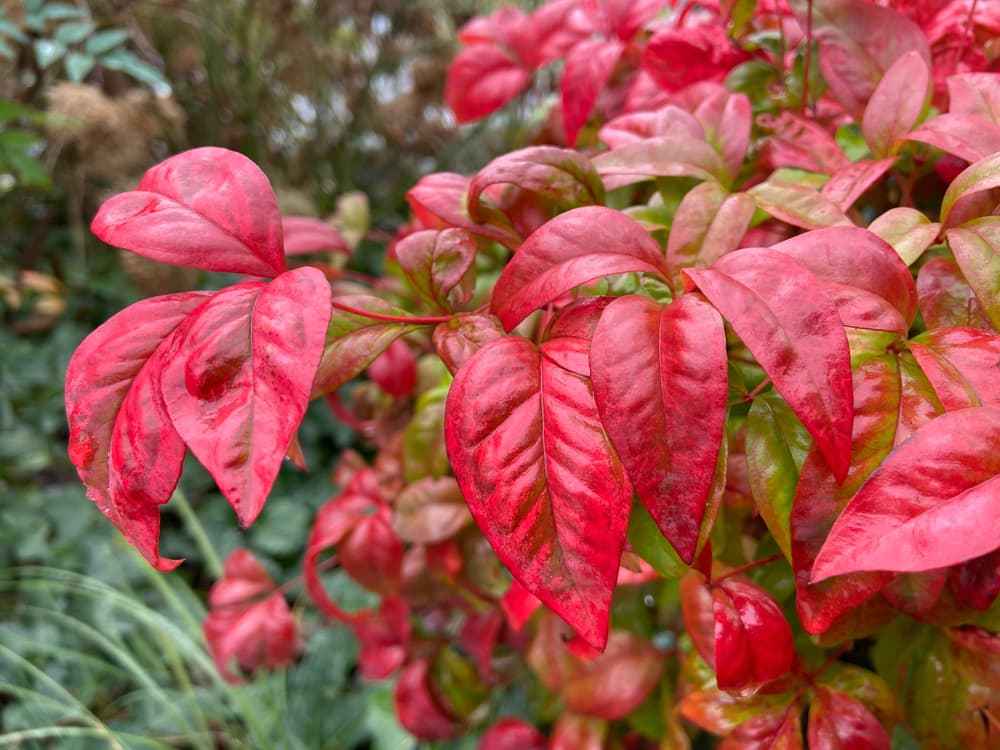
[698, 424]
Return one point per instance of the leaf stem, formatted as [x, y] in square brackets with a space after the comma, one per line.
[406, 319]
[749, 566]
[756, 391]
[201, 540]
[808, 58]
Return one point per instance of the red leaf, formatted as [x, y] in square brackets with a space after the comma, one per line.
[519, 605]
[239, 385]
[677, 154]
[625, 18]
[539, 474]
[849, 183]
[416, 707]
[677, 58]
[430, 511]
[208, 208]
[372, 554]
[896, 104]
[561, 175]
[578, 733]
[946, 299]
[858, 43]
[304, 234]
[837, 721]
[512, 734]
[464, 335]
[439, 266]
[801, 143]
[395, 370]
[478, 638]
[613, 684]
[924, 507]
[384, 636]
[708, 224]
[977, 250]
[667, 418]
[248, 621]
[697, 611]
[726, 118]
[966, 136]
[854, 257]
[972, 183]
[962, 364]
[776, 729]
[439, 201]
[572, 249]
[976, 582]
[753, 642]
[481, 79]
[106, 368]
[587, 69]
[975, 94]
[639, 126]
[783, 315]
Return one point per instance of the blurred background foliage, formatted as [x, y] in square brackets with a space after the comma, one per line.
[340, 102]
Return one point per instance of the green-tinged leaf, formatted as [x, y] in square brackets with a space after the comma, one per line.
[977, 249]
[78, 66]
[10, 30]
[776, 447]
[354, 340]
[61, 11]
[73, 32]
[424, 453]
[105, 40]
[47, 51]
[649, 544]
[907, 230]
[798, 205]
[866, 686]
[129, 64]
[983, 175]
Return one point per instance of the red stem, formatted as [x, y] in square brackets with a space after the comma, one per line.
[969, 32]
[806, 62]
[749, 566]
[430, 320]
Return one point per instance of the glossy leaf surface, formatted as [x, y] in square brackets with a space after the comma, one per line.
[838, 721]
[667, 418]
[572, 249]
[240, 383]
[539, 474]
[781, 312]
[207, 208]
[962, 364]
[923, 507]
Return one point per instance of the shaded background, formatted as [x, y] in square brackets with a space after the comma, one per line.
[340, 102]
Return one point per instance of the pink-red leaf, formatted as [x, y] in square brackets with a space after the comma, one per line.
[439, 201]
[709, 223]
[417, 709]
[614, 683]
[677, 154]
[924, 506]
[966, 136]
[850, 182]
[248, 621]
[430, 510]
[101, 374]
[639, 126]
[208, 208]
[776, 729]
[240, 382]
[481, 79]
[784, 316]
[946, 299]
[438, 265]
[677, 58]
[384, 637]
[838, 721]
[539, 474]
[578, 733]
[726, 118]
[896, 104]
[666, 419]
[588, 67]
[395, 370]
[572, 249]
[977, 250]
[972, 182]
[962, 364]
[464, 335]
[512, 734]
[907, 230]
[304, 234]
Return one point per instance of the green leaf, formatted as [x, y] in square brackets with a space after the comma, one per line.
[47, 51]
[10, 111]
[60, 11]
[10, 30]
[73, 32]
[649, 543]
[129, 64]
[776, 447]
[105, 40]
[78, 66]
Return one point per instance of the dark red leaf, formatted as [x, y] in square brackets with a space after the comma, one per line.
[564, 176]
[372, 554]
[439, 266]
[304, 234]
[897, 103]
[677, 58]
[783, 315]
[776, 729]
[395, 370]
[924, 506]
[478, 637]
[976, 582]
[481, 79]
[667, 418]
[384, 637]
[512, 734]
[579, 318]
[106, 368]
[753, 642]
[572, 249]
[418, 711]
[838, 721]
[613, 684]
[208, 208]
[587, 69]
[539, 474]
[240, 382]
[248, 621]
